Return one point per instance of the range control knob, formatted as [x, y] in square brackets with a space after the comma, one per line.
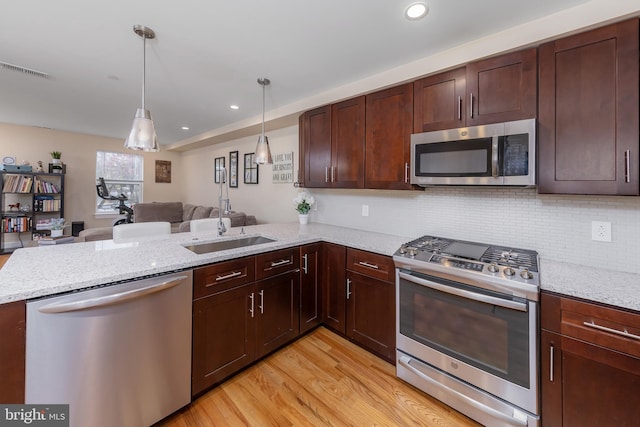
[493, 267]
[403, 249]
[509, 271]
[412, 252]
[526, 274]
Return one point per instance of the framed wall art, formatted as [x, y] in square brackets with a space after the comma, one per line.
[163, 171]
[250, 169]
[220, 176]
[233, 169]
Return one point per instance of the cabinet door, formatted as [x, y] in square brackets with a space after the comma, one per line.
[12, 351]
[223, 335]
[371, 314]
[439, 101]
[277, 311]
[310, 287]
[502, 89]
[334, 286]
[588, 120]
[587, 385]
[389, 122]
[317, 147]
[347, 143]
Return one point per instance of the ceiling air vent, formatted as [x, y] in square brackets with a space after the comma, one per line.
[36, 73]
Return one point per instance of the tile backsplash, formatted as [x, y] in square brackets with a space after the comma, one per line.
[557, 226]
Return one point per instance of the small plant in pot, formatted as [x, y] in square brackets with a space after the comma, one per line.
[57, 226]
[56, 162]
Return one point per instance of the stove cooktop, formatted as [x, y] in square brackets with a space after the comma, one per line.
[490, 261]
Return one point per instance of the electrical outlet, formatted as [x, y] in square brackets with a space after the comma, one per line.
[601, 231]
[365, 210]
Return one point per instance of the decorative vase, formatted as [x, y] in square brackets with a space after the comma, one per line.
[56, 161]
[56, 233]
[303, 218]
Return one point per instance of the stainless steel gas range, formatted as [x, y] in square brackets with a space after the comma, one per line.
[467, 322]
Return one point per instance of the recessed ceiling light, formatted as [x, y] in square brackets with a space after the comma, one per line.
[185, 128]
[234, 107]
[416, 11]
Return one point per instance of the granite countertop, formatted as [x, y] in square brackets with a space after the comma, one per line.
[48, 270]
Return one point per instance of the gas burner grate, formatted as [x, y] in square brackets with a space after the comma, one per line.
[429, 243]
[519, 258]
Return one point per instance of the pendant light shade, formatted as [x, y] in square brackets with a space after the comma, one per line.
[143, 134]
[263, 153]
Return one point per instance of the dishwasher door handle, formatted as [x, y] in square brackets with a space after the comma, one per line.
[107, 300]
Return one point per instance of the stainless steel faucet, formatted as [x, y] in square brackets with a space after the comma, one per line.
[223, 183]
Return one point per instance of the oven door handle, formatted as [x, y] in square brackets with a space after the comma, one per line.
[406, 362]
[487, 299]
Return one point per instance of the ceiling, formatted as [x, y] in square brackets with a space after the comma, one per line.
[207, 55]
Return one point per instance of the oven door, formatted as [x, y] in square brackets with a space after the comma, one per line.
[482, 337]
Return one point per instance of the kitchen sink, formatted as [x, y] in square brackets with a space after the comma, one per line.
[223, 245]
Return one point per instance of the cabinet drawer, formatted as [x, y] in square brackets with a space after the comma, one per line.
[608, 327]
[225, 275]
[277, 262]
[370, 264]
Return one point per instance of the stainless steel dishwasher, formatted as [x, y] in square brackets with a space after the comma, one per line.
[119, 355]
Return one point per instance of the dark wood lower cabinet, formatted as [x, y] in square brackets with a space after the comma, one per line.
[371, 314]
[590, 364]
[12, 351]
[310, 286]
[334, 286]
[223, 336]
[277, 311]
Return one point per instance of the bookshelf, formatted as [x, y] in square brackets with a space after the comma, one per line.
[28, 198]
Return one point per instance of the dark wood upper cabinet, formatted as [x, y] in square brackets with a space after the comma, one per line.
[347, 144]
[389, 123]
[588, 118]
[316, 147]
[502, 88]
[439, 101]
[493, 90]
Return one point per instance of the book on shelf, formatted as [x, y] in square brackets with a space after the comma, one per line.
[17, 184]
[48, 240]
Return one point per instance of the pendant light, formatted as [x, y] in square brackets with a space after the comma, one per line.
[143, 134]
[263, 153]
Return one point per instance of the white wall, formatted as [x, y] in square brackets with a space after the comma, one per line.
[269, 202]
[557, 226]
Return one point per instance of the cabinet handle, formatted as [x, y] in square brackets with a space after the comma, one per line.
[459, 108]
[332, 177]
[281, 262]
[627, 166]
[261, 306]
[406, 173]
[348, 288]
[623, 333]
[551, 351]
[228, 276]
[251, 309]
[494, 157]
[366, 264]
[304, 265]
[471, 105]
[326, 174]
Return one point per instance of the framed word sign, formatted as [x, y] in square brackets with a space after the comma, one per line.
[282, 168]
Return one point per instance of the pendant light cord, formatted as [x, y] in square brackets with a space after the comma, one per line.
[144, 67]
[263, 96]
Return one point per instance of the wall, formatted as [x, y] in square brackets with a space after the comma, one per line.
[79, 154]
[269, 202]
[557, 226]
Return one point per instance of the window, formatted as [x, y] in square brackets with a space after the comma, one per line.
[123, 174]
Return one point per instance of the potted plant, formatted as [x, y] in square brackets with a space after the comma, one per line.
[303, 203]
[56, 163]
[57, 225]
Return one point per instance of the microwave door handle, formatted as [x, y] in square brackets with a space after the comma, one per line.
[494, 156]
[487, 299]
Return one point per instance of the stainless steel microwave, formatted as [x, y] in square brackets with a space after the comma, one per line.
[496, 154]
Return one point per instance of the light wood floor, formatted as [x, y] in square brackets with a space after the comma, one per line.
[320, 380]
[3, 259]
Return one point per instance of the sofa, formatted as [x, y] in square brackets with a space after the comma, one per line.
[179, 215]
